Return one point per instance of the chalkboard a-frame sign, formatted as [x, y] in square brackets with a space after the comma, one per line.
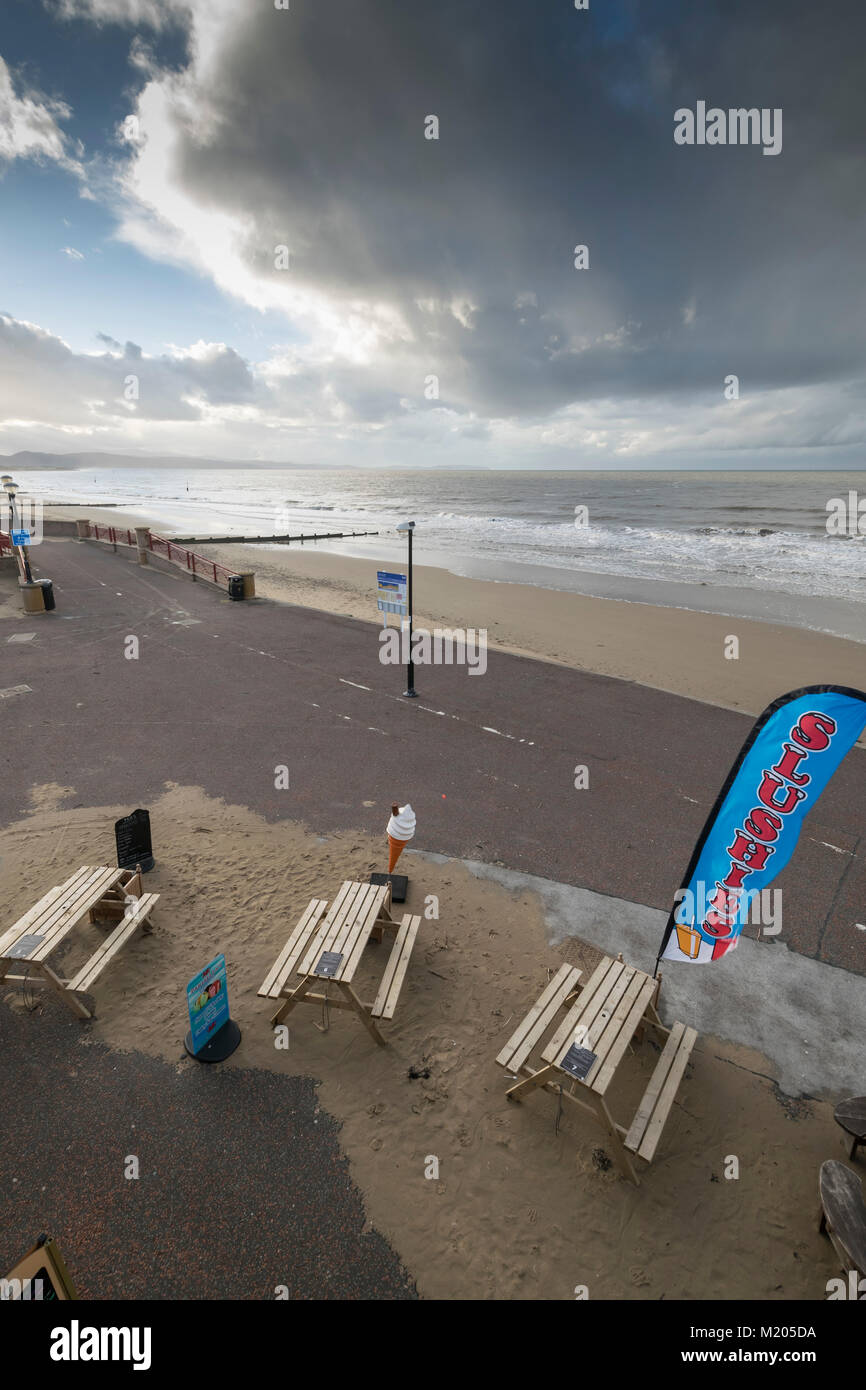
[132, 837]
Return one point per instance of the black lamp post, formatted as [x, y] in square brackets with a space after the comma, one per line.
[10, 489]
[410, 691]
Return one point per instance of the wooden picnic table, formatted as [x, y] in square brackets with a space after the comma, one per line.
[603, 1018]
[327, 945]
[93, 892]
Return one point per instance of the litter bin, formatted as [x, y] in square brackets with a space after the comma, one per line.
[33, 597]
[47, 587]
[236, 586]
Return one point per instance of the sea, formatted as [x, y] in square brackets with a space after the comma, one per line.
[755, 544]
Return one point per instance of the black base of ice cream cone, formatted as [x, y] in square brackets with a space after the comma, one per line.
[399, 885]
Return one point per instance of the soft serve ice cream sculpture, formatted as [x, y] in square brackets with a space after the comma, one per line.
[401, 828]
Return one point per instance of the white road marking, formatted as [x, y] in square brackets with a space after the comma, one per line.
[354, 683]
[15, 690]
[514, 739]
[827, 845]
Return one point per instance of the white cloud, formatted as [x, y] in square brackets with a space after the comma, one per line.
[73, 255]
[29, 125]
[156, 14]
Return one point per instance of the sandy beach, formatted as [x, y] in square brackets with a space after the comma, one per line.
[525, 1206]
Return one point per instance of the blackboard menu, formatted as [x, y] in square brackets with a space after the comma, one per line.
[132, 836]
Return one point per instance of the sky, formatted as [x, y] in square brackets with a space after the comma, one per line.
[227, 232]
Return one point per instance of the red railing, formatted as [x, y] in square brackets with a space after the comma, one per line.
[194, 564]
[5, 544]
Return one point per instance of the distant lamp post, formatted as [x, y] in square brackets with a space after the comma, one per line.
[410, 691]
[11, 488]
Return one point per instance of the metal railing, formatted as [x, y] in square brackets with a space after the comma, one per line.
[5, 544]
[197, 565]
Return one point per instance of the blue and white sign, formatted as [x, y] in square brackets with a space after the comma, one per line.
[207, 998]
[391, 596]
[20, 537]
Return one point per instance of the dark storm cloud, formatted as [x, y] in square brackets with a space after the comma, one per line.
[556, 128]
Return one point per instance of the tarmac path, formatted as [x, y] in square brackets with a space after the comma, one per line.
[222, 693]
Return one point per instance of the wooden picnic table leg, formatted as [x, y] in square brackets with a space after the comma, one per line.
[292, 999]
[363, 1014]
[651, 1020]
[620, 1153]
[70, 999]
[537, 1078]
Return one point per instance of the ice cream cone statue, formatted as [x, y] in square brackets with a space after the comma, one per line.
[401, 828]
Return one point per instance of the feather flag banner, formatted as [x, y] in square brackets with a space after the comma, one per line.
[752, 831]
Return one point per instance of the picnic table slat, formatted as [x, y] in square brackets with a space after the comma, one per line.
[70, 912]
[395, 970]
[27, 923]
[21, 927]
[587, 1007]
[530, 1029]
[57, 913]
[316, 943]
[354, 920]
[643, 1114]
[844, 1213]
[603, 1020]
[282, 966]
[332, 926]
[354, 947]
[653, 1134]
[621, 1030]
[93, 968]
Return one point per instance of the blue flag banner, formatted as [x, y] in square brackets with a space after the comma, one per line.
[753, 829]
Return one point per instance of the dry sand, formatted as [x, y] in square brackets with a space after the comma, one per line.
[519, 1210]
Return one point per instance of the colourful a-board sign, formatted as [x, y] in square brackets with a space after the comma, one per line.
[207, 998]
[20, 537]
[391, 594]
[41, 1276]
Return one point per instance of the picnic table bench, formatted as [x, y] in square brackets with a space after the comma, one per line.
[584, 1052]
[327, 945]
[850, 1115]
[843, 1214]
[96, 893]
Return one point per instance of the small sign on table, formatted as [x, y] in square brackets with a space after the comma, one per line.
[577, 1061]
[23, 946]
[132, 837]
[329, 963]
